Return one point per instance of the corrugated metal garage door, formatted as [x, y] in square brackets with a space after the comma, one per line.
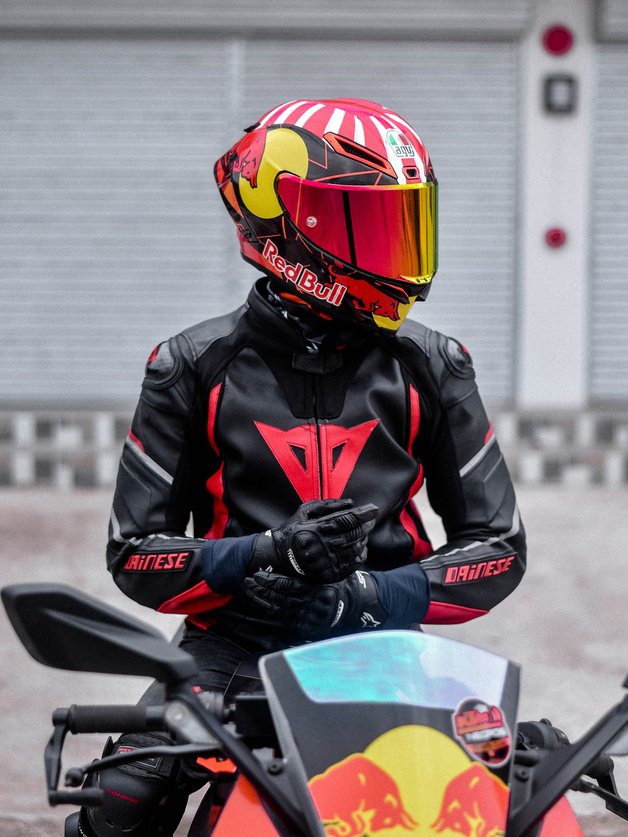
[112, 230]
[114, 236]
[609, 273]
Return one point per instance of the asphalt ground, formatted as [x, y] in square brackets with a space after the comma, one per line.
[566, 625]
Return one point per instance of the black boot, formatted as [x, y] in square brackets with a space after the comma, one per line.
[71, 825]
[75, 826]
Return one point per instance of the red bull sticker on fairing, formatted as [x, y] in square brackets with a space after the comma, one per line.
[483, 732]
[412, 780]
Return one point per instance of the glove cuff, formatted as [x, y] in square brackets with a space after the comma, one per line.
[264, 555]
[405, 594]
[368, 611]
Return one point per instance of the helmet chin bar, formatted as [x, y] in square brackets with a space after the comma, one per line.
[376, 304]
[368, 298]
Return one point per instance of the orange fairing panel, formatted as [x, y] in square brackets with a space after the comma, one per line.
[560, 821]
[244, 814]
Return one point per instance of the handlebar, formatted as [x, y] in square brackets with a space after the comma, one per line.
[207, 731]
[104, 719]
[542, 736]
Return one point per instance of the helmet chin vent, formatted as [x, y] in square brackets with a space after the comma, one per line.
[355, 151]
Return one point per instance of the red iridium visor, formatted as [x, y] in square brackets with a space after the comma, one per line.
[390, 231]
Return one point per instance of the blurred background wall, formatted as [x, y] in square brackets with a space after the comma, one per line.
[113, 236]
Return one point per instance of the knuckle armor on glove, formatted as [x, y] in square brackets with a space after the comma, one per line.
[324, 541]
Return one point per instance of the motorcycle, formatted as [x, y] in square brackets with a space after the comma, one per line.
[388, 733]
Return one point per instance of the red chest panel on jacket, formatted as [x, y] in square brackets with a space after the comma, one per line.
[274, 460]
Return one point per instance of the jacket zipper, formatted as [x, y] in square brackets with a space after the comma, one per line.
[319, 448]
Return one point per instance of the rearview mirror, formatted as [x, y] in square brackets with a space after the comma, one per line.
[67, 629]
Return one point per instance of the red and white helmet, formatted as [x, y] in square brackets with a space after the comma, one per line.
[336, 198]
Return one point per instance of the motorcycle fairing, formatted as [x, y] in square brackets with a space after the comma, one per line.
[560, 821]
[244, 813]
[366, 721]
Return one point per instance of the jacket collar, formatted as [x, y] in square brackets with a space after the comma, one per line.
[281, 332]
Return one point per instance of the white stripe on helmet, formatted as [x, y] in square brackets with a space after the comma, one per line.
[335, 121]
[305, 117]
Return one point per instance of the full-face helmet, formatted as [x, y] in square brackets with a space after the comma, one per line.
[337, 199]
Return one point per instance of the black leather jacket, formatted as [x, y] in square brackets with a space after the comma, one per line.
[239, 421]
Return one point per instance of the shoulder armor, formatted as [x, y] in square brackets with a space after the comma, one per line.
[456, 356]
[447, 361]
[163, 367]
[168, 359]
[439, 348]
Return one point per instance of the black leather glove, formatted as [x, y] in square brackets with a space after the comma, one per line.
[315, 612]
[324, 541]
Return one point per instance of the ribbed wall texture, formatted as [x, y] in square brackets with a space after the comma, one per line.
[480, 18]
[611, 19]
[609, 229]
[113, 236]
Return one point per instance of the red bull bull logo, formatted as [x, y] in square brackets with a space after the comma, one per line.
[475, 804]
[250, 152]
[412, 780]
[356, 798]
[366, 297]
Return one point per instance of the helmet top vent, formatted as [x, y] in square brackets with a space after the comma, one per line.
[355, 151]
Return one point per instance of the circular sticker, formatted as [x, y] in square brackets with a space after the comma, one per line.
[483, 732]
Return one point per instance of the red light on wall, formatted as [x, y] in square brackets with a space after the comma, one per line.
[555, 237]
[558, 39]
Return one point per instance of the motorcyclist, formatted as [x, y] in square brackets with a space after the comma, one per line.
[293, 434]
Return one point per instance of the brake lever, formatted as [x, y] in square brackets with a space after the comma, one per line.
[75, 775]
[52, 755]
[52, 762]
[94, 719]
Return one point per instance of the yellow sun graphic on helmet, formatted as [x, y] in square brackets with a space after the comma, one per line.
[258, 194]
